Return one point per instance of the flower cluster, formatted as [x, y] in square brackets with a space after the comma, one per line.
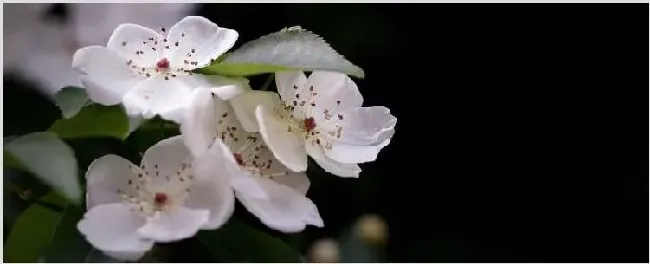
[236, 143]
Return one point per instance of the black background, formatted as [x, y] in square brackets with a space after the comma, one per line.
[522, 129]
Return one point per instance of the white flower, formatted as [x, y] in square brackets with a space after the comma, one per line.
[130, 207]
[151, 73]
[320, 116]
[39, 49]
[263, 185]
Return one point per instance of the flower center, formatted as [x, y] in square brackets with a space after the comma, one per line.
[309, 124]
[239, 159]
[160, 199]
[162, 65]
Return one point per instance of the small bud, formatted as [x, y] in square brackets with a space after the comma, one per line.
[324, 251]
[372, 229]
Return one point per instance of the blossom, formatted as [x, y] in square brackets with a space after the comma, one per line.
[320, 116]
[132, 207]
[37, 47]
[262, 184]
[151, 74]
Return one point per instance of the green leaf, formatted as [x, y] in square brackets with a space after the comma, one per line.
[50, 160]
[9, 161]
[70, 100]
[68, 245]
[238, 242]
[32, 232]
[94, 121]
[289, 49]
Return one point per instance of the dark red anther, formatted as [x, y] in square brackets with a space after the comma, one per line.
[239, 159]
[160, 198]
[163, 64]
[309, 124]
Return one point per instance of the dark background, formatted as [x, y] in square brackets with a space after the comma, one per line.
[522, 129]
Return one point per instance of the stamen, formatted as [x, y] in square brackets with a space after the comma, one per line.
[160, 199]
[309, 124]
[163, 64]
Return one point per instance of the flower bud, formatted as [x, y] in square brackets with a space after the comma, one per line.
[324, 251]
[372, 229]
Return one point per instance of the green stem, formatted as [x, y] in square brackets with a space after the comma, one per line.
[267, 84]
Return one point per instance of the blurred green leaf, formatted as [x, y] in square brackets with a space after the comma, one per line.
[32, 232]
[289, 49]
[68, 245]
[48, 158]
[9, 161]
[94, 121]
[238, 242]
[96, 256]
[70, 100]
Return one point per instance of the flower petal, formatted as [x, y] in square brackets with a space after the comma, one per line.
[143, 46]
[121, 236]
[332, 166]
[199, 40]
[159, 96]
[286, 210]
[166, 157]
[174, 225]
[216, 197]
[367, 131]
[335, 91]
[200, 121]
[92, 23]
[105, 75]
[228, 88]
[286, 146]
[296, 180]
[107, 175]
[280, 173]
[219, 164]
[367, 125]
[290, 83]
[244, 106]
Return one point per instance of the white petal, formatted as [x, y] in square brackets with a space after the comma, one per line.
[200, 121]
[332, 166]
[121, 236]
[105, 75]
[281, 174]
[228, 88]
[296, 180]
[127, 39]
[157, 96]
[353, 154]
[166, 157]
[336, 91]
[174, 225]
[367, 125]
[218, 164]
[93, 22]
[245, 104]
[107, 175]
[213, 82]
[290, 83]
[367, 131]
[201, 39]
[216, 197]
[287, 147]
[286, 210]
